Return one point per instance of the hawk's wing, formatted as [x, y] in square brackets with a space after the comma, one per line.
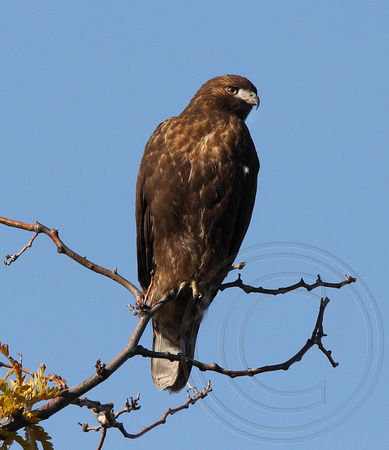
[144, 219]
[248, 191]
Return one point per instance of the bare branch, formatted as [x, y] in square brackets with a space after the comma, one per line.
[38, 228]
[315, 339]
[106, 418]
[104, 413]
[9, 259]
[132, 348]
[103, 371]
[102, 439]
[318, 333]
[283, 290]
[190, 401]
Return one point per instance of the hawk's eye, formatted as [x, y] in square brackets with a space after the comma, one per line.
[232, 90]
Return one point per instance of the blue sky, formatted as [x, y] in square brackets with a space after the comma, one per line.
[83, 85]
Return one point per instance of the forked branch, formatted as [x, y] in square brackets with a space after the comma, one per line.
[315, 339]
[108, 419]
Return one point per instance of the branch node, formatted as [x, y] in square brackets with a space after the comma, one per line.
[100, 369]
[132, 309]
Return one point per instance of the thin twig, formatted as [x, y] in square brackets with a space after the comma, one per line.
[131, 405]
[58, 380]
[38, 228]
[190, 401]
[102, 439]
[29, 372]
[9, 259]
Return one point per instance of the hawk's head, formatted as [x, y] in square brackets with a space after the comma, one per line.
[231, 93]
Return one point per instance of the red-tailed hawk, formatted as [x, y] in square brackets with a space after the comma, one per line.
[194, 198]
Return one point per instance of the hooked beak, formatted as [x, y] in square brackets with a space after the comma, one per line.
[249, 97]
[255, 101]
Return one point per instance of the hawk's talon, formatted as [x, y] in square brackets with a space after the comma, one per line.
[142, 304]
[194, 287]
[195, 291]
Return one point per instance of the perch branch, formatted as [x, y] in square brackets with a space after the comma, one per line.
[38, 228]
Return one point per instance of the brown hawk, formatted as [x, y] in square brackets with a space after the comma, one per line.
[194, 198]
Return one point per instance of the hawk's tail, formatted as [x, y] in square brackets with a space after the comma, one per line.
[173, 375]
[175, 329]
